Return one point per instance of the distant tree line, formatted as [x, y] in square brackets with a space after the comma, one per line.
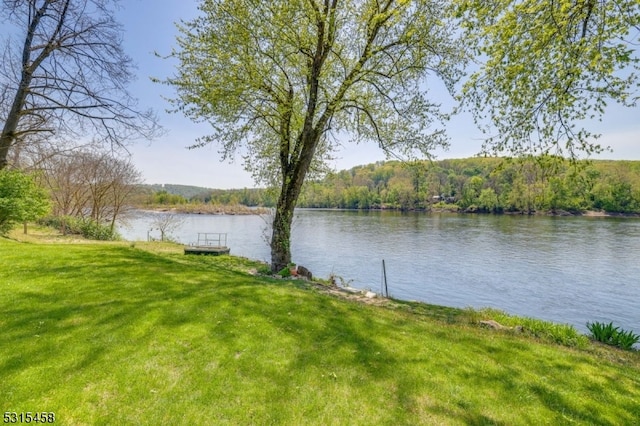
[527, 185]
[172, 195]
[185, 191]
[492, 185]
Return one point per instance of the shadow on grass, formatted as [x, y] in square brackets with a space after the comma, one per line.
[105, 290]
[95, 310]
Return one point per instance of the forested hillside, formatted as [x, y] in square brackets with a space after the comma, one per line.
[527, 185]
[483, 184]
[185, 191]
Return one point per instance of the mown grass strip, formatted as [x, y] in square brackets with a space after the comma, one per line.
[113, 334]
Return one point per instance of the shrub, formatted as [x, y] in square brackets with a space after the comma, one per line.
[626, 339]
[614, 336]
[97, 231]
[81, 226]
[21, 199]
[563, 334]
[602, 332]
[264, 269]
[285, 272]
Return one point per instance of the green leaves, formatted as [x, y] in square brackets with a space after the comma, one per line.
[545, 69]
[286, 80]
[20, 199]
[614, 336]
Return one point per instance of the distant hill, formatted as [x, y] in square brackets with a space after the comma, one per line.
[186, 191]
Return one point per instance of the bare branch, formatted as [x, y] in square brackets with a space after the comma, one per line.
[72, 73]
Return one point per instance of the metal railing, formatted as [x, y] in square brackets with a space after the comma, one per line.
[212, 239]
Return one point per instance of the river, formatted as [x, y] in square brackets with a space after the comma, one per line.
[562, 269]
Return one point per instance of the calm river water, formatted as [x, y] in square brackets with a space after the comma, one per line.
[563, 269]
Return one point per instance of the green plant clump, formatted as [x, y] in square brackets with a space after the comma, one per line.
[614, 336]
[564, 334]
[89, 229]
[285, 272]
[21, 199]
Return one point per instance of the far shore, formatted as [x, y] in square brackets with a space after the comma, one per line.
[608, 214]
[238, 209]
[212, 209]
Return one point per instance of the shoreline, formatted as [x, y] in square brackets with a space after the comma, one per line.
[206, 209]
[586, 213]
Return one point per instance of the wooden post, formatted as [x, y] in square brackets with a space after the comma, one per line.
[384, 273]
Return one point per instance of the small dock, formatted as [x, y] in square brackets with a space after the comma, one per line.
[211, 243]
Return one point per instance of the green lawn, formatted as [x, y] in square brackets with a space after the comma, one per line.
[113, 334]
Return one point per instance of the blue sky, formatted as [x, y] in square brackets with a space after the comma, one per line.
[149, 27]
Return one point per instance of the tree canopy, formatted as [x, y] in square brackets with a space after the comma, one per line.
[21, 199]
[95, 186]
[264, 73]
[546, 70]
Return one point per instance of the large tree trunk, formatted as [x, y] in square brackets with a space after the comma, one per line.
[293, 178]
[5, 144]
[7, 137]
[281, 235]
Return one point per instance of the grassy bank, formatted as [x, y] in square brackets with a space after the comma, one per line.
[112, 333]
